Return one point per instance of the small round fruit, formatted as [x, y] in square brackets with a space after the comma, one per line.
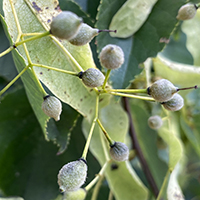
[119, 152]
[65, 25]
[92, 77]
[162, 90]
[52, 107]
[72, 175]
[155, 122]
[175, 103]
[111, 56]
[84, 36]
[78, 194]
[187, 11]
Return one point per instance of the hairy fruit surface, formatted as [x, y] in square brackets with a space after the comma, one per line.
[72, 175]
[65, 25]
[111, 56]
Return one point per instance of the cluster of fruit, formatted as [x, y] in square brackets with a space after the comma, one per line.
[69, 26]
[73, 175]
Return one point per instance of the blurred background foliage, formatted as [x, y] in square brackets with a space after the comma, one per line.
[29, 164]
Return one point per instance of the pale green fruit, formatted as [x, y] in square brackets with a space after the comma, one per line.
[72, 175]
[92, 77]
[187, 11]
[111, 56]
[52, 107]
[119, 152]
[155, 122]
[175, 103]
[84, 36]
[78, 194]
[162, 90]
[65, 25]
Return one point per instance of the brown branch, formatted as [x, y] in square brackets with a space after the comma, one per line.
[136, 145]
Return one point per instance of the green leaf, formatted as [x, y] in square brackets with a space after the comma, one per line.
[123, 181]
[7, 68]
[191, 29]
[46, 51]
[191, 134]
[170, 136]
[33, 91]
[146, 42]
[130, 17]
[147, 139]
[181, 74]
[176, 49]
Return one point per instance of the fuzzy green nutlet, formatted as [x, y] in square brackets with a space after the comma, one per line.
[111, 56]
[92, 77]
[52, 107]
[175, 103]
[84, 36]
[155, 122]
[162, 90]
[187, 11]
[65, 25]
[119, 152]
[72, 175]
[78, 194]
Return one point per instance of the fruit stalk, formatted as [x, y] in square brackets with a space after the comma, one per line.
[84, 155]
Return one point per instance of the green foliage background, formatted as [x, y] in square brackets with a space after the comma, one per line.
[31, 154]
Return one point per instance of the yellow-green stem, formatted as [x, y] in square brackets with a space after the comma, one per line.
[16, 20]
[93, 182]
[78, 67]
[163, 185]
[55, 69]
[132, 96]
[111, 142]
[32, 38]
[106, 78]
[96, 188]
[104, 145]
[85, 151]
[6, 51]
[128, 90]
[39, 83]
[110, 197]
[13, 81]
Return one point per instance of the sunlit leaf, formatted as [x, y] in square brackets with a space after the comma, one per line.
[46, 51]
[191, 29]
[130, 17]
[170, 136]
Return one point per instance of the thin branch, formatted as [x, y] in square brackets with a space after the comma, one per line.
[136, 145]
